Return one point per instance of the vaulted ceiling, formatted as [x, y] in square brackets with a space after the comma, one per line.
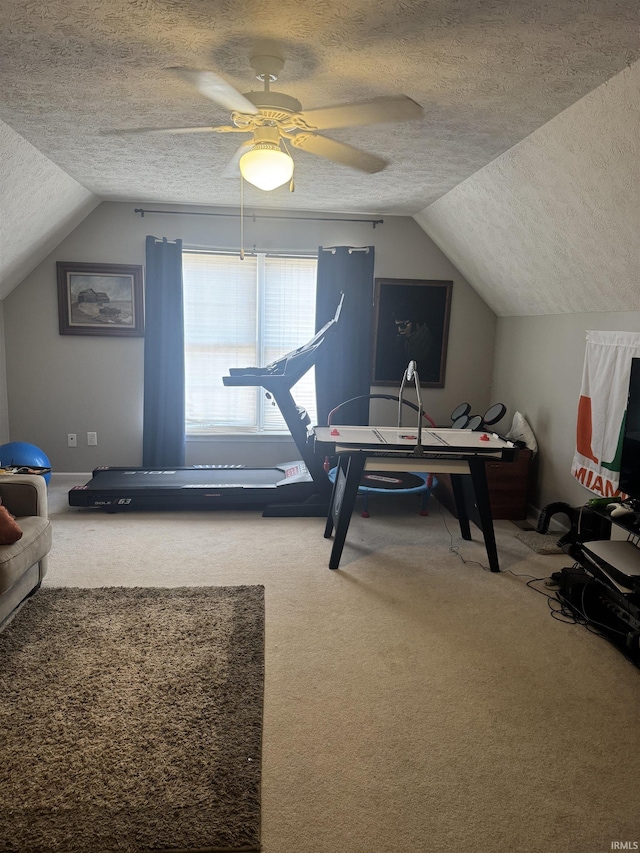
[487, 73]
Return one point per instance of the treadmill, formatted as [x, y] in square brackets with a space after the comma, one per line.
[298, 488]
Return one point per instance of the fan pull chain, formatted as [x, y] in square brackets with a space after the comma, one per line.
[241, 217]
[292, 186]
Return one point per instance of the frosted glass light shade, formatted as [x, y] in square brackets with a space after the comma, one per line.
[266, 167]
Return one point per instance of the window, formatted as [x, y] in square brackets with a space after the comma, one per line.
[243, 313]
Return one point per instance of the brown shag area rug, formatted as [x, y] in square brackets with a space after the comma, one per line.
[131, 721]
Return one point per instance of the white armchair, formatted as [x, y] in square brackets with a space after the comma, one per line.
[23, 564]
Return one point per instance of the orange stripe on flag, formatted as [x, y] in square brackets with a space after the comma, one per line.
[584, 429]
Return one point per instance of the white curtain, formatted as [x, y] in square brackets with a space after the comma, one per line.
[601, 409]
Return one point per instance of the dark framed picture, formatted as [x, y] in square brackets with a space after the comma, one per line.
[100, 299]
[411, 318]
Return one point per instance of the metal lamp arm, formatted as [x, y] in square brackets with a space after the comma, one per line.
[412, 374]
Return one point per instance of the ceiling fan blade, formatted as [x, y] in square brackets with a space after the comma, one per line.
[232, 169]
[222, 128]
[376, 111]
[339, 152]
[214, 87]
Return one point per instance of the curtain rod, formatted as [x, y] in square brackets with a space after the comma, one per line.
[196, 249]
[372, 222]
[352, 249]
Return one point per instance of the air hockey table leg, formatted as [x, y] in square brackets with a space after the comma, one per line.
[457, 487]
[481, 489]
[328, 530]
[348, 478]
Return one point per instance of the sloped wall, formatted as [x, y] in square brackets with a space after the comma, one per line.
[39, 205]
[552, 226]
[549, 231]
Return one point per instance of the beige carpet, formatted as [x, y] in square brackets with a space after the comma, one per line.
[131, 720]
[414, 702]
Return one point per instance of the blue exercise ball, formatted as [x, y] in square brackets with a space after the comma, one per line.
[19, 453]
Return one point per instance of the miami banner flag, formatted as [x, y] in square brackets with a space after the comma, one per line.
[602, 408]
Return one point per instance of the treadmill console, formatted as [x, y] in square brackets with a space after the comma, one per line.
[295, 363]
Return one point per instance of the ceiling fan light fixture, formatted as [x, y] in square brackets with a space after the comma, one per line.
[266, 166]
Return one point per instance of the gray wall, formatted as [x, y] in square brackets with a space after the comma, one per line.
[4, 403]
[59, 384]
[538, 371]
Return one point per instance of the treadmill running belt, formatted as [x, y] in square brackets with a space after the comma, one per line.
[119, 489]
[194, 478]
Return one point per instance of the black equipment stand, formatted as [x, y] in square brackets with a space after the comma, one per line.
[299, 488]
[606, 595]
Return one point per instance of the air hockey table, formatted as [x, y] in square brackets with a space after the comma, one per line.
[462, 453]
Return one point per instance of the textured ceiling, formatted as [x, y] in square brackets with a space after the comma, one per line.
[487, 73]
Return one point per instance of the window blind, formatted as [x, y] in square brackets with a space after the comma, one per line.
[243, 313]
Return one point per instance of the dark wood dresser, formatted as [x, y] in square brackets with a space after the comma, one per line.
[508, 487]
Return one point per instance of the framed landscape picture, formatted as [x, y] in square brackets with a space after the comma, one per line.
[411, 323]
[100, 299]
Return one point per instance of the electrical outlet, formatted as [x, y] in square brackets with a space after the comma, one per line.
[92, 439]
[72, 439]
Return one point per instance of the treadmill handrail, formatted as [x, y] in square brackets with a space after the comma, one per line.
[293, 365]
[293, 369]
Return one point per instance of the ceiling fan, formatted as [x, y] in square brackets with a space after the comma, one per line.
[275, 120]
